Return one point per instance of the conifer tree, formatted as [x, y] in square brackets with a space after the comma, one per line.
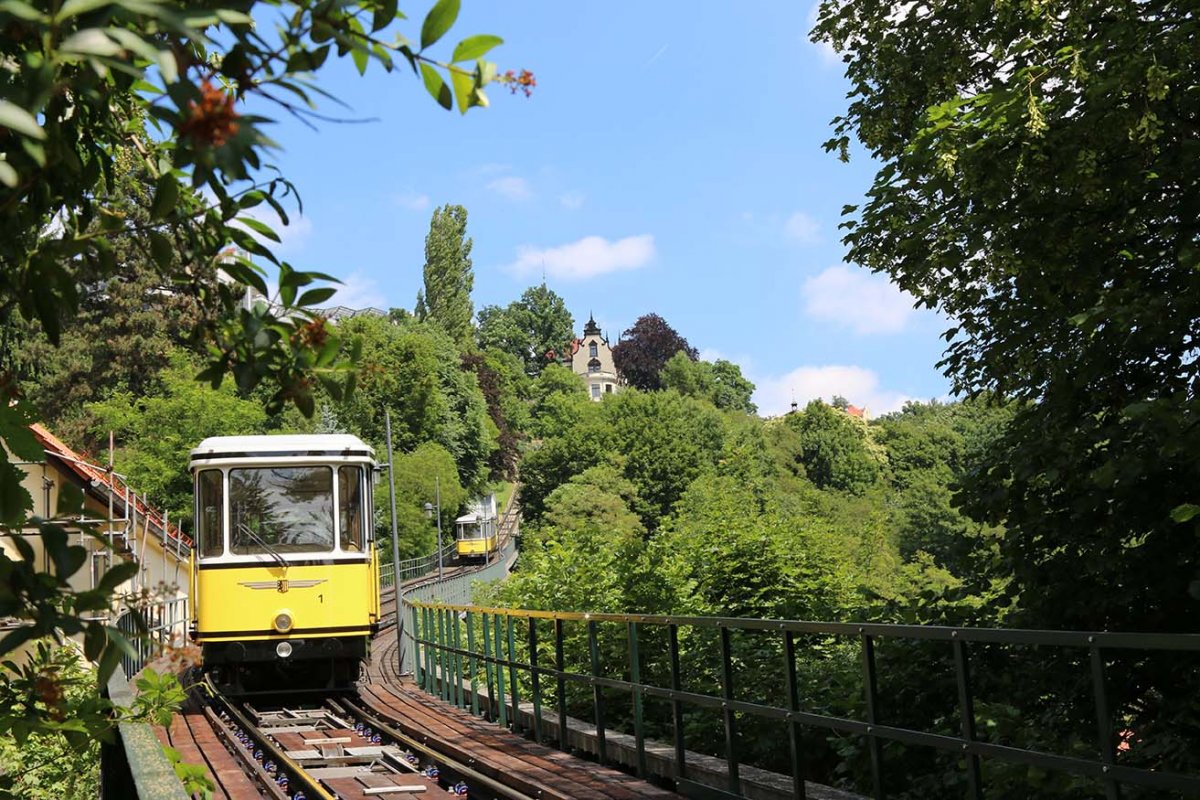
[446, 299]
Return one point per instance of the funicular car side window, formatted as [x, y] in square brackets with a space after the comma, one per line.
[281, 509]
[350, 500]
[211, 508]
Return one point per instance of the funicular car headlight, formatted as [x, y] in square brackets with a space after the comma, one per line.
[283, 622]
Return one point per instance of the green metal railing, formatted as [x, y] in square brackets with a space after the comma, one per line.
[488, 660]
[153, 628]
[412, 568]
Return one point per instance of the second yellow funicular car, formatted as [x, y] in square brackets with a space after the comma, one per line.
[476, 531]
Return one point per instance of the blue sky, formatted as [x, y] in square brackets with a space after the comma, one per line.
[669, 161]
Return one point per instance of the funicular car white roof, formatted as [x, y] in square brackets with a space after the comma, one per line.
[310, 444]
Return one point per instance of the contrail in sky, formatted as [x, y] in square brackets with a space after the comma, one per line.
[655, 57]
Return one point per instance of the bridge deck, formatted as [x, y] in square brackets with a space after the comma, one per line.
[531, 768]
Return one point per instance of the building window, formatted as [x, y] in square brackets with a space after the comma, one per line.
[595, 391]
[593, 351]
[594, 365]
[608, 388]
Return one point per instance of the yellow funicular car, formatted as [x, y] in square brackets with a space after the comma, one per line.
[476, 531]
[284, 580]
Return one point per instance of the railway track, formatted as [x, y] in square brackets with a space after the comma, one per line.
[382, 740]
[329, 748]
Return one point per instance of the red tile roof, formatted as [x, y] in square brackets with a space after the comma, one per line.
[855, 411]
[111, 483]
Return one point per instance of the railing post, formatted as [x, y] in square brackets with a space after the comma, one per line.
[471, 666]
[560, 662]
[871, 687]
[676, 705]
[635, 677]
[416, 653]
[430, 650]
[514, 687]
[966, 708]
[443, 681]
[535, 681]
[597, 694]
[459, 700]
[731, 759]
[1112, 789]
[487, 666]
[795, 744]
[497, 648]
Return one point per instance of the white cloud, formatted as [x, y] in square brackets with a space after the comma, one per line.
[587, 258]
[774, 395]
[512, 187]
[571, 200]
[802, 228]
[359, 291]
[829, 56]
[412, 201]
[852, 298]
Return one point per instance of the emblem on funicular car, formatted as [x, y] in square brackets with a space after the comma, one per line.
[282, 585]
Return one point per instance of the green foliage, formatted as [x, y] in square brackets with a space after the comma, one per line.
[194, 777]
[660, 441]
[560, 401]
[445, 302]
[528, 328]
[504, 385]
[416, 475]
[586, 555]
[61, 759]
[645, 349]
[156, 432]
[835, 449]
[665, 441]
[415, 372]
[725, 554]
[1037, 186]
[720, 382]
[119, 338]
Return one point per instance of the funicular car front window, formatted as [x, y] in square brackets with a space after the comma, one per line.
[284, 509]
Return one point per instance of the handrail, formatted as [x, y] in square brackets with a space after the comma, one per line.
[133, 763]
[554, 659]
[152, 628]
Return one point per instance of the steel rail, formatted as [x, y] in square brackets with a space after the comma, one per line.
[277, 754]
[246, 758]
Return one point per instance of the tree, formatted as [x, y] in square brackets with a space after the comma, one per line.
[645, 349]
[156, 432]
[719, 382]
[528, 328]
[415, 486]
[1039, 186]
[417, 373]
[124, 332]
[834, 450]
[81, 82]
[446, 299]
